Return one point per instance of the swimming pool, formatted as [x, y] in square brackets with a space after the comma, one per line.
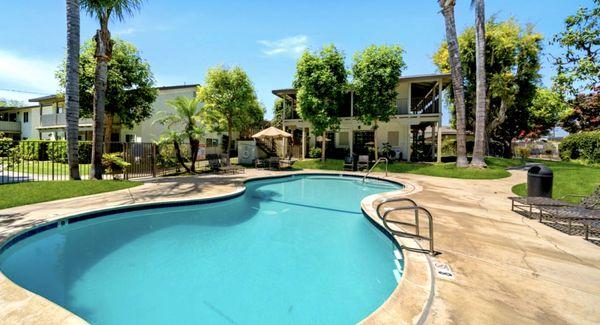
[295, 249]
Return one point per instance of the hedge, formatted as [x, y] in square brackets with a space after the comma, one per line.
[53, 150]
[584, 145]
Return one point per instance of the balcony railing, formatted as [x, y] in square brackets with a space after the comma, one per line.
[418, 105]
[60, 119]
[6, 126]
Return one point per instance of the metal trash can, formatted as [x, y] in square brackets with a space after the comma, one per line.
[539, 181]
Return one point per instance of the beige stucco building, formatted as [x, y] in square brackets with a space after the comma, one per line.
[418, 103]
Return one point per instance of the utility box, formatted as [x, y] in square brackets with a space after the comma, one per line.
[246, 152]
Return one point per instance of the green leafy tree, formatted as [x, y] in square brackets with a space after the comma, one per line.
[512, 77]
[584, 114]
[277, 113]
[184, 123]
[130, 91]
[547, 107]
[453, 64]
[376, 71]
[104, 11]
[72, 87]
[578, 67]
[230, 101]
[320, 82]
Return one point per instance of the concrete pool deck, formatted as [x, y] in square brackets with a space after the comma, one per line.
[507, 268]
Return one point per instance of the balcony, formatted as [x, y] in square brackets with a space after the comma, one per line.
[6, 126]
[418, 105]
[60, 120]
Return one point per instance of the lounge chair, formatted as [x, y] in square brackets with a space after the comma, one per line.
[528, 203]
[586, 213]
[261, 163]
[214, 164]
[363, 162]
[349, 163]
[287, 162]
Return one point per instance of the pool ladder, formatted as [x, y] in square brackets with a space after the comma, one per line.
[412, 205]
[375, 165]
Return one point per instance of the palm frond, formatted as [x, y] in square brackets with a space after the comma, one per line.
[120, 9]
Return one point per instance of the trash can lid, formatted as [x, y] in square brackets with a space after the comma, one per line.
[540, 170]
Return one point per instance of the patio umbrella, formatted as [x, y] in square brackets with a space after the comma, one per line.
[272, 133]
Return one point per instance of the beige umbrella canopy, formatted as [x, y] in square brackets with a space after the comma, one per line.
[272, 133]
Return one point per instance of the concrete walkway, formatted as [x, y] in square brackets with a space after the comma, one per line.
[508, 269]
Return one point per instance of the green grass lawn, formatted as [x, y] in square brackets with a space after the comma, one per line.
[47, 168]
[12, 195]
[496, 168]
[569, 178]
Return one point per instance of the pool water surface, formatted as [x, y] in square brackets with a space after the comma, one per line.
[294, 250]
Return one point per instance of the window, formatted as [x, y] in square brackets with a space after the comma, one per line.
[393, 138]
[362, 141]
[129, 137]
[26, 117]
[211, 143]
[343, 138]
[12, 117]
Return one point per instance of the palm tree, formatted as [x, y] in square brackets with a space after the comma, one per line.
[480, 85]
[72, 88]
[104, 10]
[187, 117]
[457, 81]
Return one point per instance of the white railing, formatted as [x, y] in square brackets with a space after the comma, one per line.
[60, 119]
[10, 126]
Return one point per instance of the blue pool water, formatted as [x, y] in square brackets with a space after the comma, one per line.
[293, 250]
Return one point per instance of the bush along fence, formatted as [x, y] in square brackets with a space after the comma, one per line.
[22, 161]
[584, 146]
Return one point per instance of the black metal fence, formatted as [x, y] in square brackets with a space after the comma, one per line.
[31, 160]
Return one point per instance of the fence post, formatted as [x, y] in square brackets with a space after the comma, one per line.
[153, 160]
[125, 175]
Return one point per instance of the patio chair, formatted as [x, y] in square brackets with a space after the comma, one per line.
[349, 163]
[274, 163]
[261, 163]
[226, 166]
[214, 164]
[363, 162]
[287, 162]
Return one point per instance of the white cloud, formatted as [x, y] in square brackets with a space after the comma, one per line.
[27, 73]
[291, 46]
[127, 31]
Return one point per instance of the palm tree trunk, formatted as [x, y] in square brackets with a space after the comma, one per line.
[480, 86]
[103, 51]
[375, 147]
[72, 88]
[229, 134]
[194, 145]
[323, 145]
[178, 155]
[108, 124]
[457, 81]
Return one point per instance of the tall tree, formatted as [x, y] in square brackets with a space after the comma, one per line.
[184, 122]
[320, 82]
[457, 81]
[375, 73]
[545, 112]
[512, 67]
[230, 101]
[103, 11]
[578, 68]
[72, 88]
[130, 90]
[584, 114]
[480, 86]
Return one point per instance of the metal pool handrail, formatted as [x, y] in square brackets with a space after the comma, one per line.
[416, 208]
[374, 165]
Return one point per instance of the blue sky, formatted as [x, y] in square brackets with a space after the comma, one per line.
[182, 39]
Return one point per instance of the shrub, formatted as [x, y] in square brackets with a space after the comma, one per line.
[449, 147]
[57, 151]
[584, 145]
[6, 145]
[114, 164]
[34, 150]
[315, 152]
[522, 152]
